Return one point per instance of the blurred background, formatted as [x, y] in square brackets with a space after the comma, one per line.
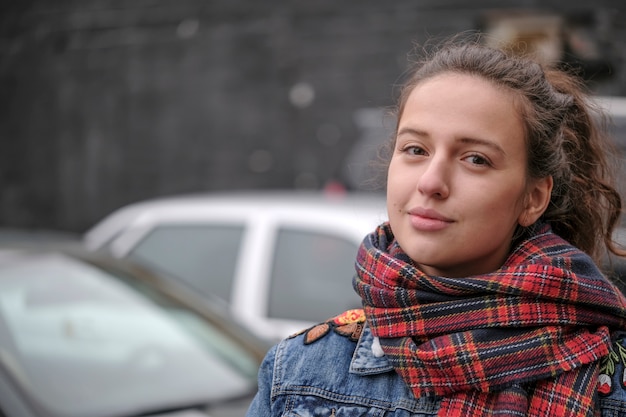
[104, 103]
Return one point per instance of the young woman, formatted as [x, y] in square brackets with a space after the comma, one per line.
[481, 294]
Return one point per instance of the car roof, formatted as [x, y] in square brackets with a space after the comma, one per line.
[349, 204]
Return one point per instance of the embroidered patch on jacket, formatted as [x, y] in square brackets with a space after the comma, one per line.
[348, 324]
[356, 315]
[616, 355]
[316, 333]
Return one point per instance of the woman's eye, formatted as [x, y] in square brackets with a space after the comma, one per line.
[478, 160]
[414, 150]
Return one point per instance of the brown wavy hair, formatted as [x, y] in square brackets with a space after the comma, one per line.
[566, 137]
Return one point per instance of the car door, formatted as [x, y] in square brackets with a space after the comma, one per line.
[307, 276]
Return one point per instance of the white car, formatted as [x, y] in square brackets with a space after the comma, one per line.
[280, 260]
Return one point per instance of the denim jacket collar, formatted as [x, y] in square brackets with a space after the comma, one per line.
[366, 359]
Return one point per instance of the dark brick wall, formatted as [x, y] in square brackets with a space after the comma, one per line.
[109, 102]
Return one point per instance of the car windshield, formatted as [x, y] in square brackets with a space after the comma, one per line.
[83, 342]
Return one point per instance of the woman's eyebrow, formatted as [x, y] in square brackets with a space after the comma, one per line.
[411, 131]
[484, 142]
[471, 141]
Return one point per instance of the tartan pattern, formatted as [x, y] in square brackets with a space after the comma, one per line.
[523, 340]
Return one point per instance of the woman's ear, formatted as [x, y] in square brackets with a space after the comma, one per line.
[536, 201]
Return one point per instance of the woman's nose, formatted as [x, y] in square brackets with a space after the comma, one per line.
[434, 181]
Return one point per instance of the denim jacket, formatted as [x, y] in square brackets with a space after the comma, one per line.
[328, 371]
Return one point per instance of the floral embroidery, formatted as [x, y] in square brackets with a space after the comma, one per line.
[348, 324]
[351, 316]
[350, 330]
[616, 355]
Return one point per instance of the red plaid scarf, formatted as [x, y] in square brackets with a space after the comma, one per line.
[525, 340]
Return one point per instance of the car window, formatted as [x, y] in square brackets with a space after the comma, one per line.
[311, 278]
[86, 343]
[203, 256]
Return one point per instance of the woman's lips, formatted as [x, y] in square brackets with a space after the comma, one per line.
[428, 220]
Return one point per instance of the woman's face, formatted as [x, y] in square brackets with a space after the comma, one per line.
[457, 184]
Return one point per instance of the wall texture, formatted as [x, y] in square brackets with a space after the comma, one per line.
[109, 102]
